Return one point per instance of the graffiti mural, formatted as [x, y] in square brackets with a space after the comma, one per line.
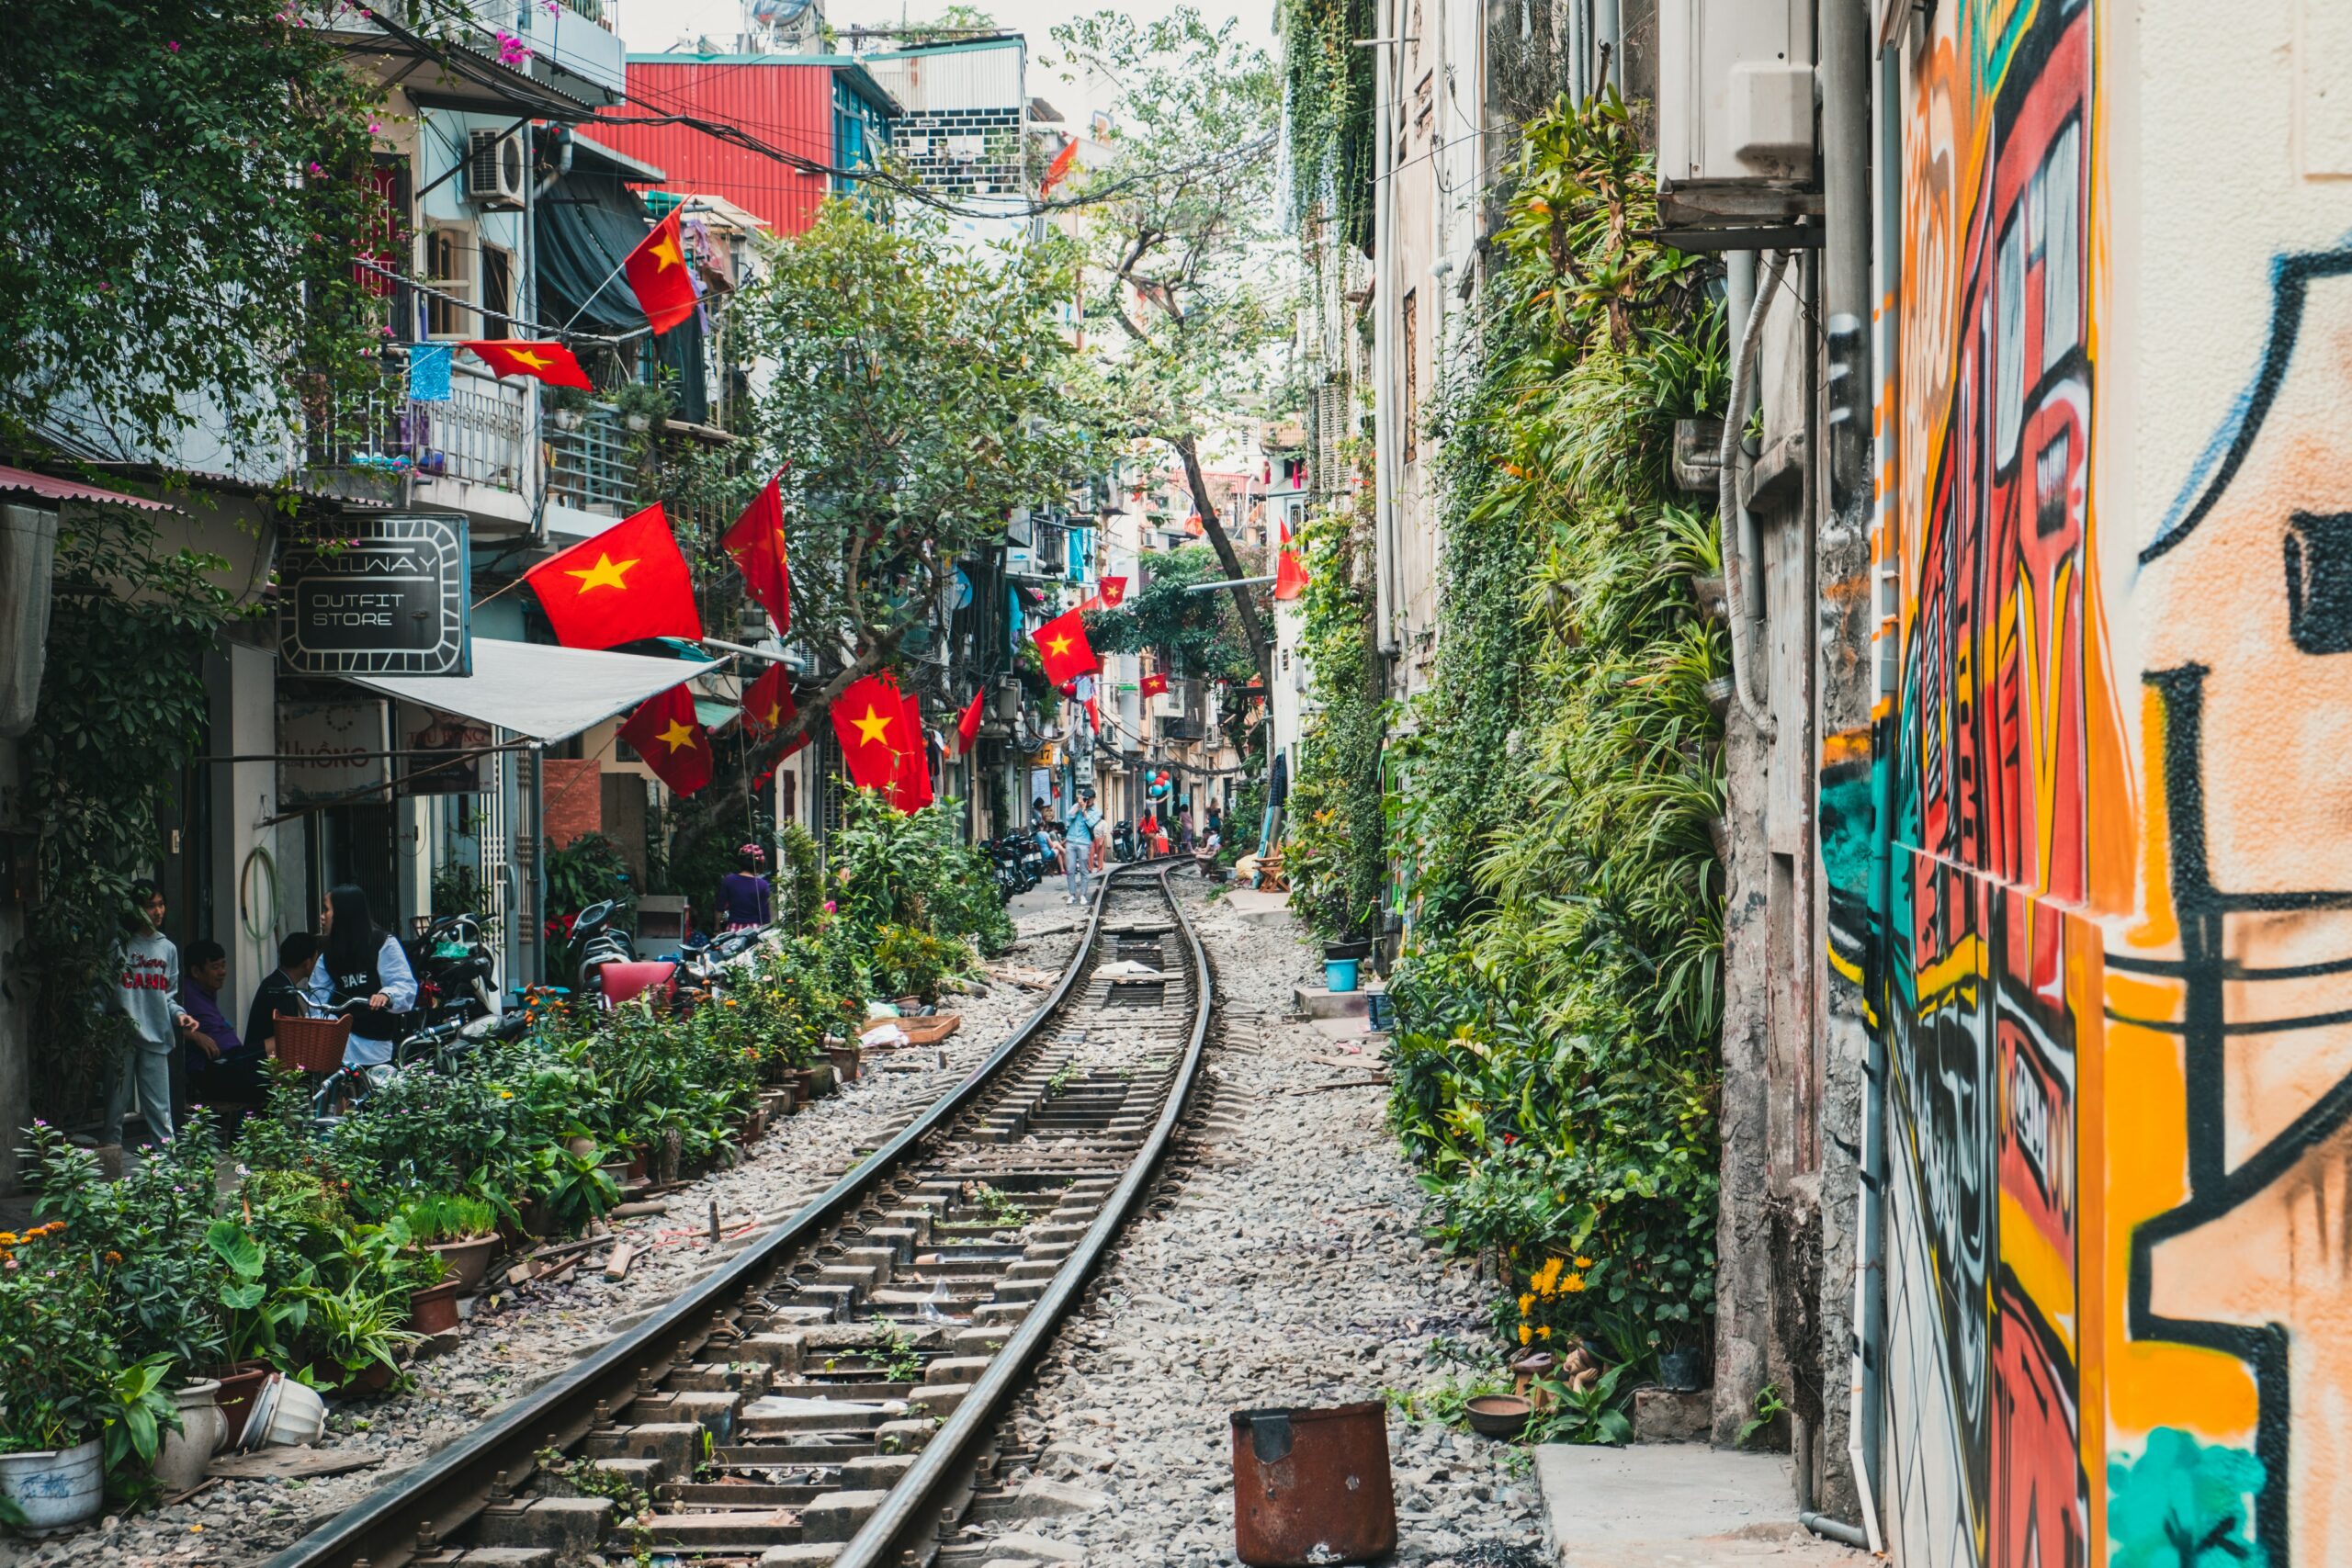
[2119, 948]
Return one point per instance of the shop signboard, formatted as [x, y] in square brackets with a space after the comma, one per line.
[391, 597]
[444, 754]
[330, 750]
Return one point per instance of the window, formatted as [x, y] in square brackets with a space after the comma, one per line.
[449, 269]
[1409, 338]
[497, 291]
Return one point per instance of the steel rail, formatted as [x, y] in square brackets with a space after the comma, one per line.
[448, 1488]
[913, 1504]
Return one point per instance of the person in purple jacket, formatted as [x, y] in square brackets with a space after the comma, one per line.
[222, 1069]
[745, 899]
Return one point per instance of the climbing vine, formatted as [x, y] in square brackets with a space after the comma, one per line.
[1557, 1005]
[1327, 86]
[1334, 853]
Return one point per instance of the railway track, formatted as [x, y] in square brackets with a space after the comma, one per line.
[831, 1396]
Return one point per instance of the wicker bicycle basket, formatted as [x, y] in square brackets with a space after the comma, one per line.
[312, 1044]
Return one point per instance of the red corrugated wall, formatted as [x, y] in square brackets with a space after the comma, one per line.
[785, 105]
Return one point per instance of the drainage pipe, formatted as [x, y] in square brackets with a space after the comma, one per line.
[1834, 1530]
[1743, 372]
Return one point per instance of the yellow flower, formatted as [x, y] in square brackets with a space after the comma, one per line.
[9, 1239]
[1583, 1262]
[1526, 1333]
[1573, 1284]
[1543, 1332]
[505, 1094]
[1526, 1305]
[1546, 1278]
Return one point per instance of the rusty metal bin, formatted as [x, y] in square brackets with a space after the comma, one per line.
[1312, 1486]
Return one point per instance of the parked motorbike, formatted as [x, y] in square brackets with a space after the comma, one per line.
[705, 963]
[598, 938]
[457, 972]
[1123, 841]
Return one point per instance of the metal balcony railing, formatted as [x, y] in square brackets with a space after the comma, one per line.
[589, 465]
[478, 436]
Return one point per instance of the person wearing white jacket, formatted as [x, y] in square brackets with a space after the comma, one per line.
[360, 962]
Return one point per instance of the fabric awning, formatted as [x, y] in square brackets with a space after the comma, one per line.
[66, 489]
[534, 690]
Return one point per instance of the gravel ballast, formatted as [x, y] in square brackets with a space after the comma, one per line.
[1281, 1262]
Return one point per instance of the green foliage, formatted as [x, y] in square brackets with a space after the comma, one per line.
[909, 963]
[187, 185]
[909, 869]
[127, 638]
[1336, 851]
[588, 869]
[1555, 1066]
[1199, 634]
[1328, 84]
[800, 879]
[1769, 1407]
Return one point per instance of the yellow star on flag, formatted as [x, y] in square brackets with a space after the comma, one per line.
[776, 712]
[874, 728]
[1060, 645]
[666, 253]
[605, 574]
[525, 357]
[679, 735]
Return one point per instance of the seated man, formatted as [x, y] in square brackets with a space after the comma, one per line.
[281, 991]
[222, 1070]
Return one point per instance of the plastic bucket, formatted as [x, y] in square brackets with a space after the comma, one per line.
[55, 1487]
[1340, 974]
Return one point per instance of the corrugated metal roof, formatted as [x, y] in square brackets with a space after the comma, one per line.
[954, 76]
[66, 489]
[786, 101]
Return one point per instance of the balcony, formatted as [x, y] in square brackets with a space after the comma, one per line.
[590, 468]
[471, 453]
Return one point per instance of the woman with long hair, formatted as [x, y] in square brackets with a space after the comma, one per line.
[360, 962]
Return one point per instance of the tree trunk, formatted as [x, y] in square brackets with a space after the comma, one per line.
[1244, 601]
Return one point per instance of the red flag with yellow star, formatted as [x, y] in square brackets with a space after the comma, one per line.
[627, 582]
[666, 734]
[550, 361]
[756, 541]
[768, 705]
[967, 726]
[1154, 684]
[1061, 642]
[656, 270]
[911, 791]
[880, 748]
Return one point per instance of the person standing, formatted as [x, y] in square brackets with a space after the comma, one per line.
[1078, 833]
[222, 1070]
[1216, 823]
[145, 984]
[745, 897]
[361, 962]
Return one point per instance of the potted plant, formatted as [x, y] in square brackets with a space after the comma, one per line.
[70, 1411]
[353, 1334]
[459, 1230]
[642, 405]
[567, 406]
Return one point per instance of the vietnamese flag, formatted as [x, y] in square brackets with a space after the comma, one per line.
[656, 270]
[756, 542]
[1059, 170]
[967, 726]
[881, 747]
[1061, 642]
[1290, 575]
[768, 705]
[549, 362]
[1154, 684]
[1111, 590]
[671, 740]
[1093, 716]
[911, 791]
[627, 582]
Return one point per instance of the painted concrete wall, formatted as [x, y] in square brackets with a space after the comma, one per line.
[2121, 1050]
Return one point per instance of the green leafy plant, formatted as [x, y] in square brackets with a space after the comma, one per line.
[632, 1507]
[997, 1207]
[1769, 1407]
[1592, 1414]
[897, 1354]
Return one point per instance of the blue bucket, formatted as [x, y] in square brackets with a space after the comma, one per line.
[1340, 974]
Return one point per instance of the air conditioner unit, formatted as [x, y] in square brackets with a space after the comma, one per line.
[496, 169]
[1734, 111]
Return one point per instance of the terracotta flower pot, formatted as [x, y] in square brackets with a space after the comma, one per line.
[469, 1261]
[637, 1165]
[373, 1378]
[845, 1060]
[434, 1310]
[236, 1396]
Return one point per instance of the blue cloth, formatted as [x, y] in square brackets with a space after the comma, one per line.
[428, 373]
[1079, 828]
[371, 1040]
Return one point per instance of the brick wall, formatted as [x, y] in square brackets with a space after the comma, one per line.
[576, 799]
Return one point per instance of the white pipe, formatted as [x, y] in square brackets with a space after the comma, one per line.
[1743, 363]
[1384, 358]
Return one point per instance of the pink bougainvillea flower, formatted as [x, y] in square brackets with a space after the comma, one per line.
[174, 46]
[512, 50]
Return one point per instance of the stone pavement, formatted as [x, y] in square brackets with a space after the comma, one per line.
[1677, 1505]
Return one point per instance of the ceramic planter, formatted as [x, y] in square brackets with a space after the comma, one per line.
[57, 1488]
[469, 1261]
[235, 1398]
[845, 1060]
[434, 1310]
[187, 1453]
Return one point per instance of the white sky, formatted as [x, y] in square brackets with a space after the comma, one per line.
[652, 26]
